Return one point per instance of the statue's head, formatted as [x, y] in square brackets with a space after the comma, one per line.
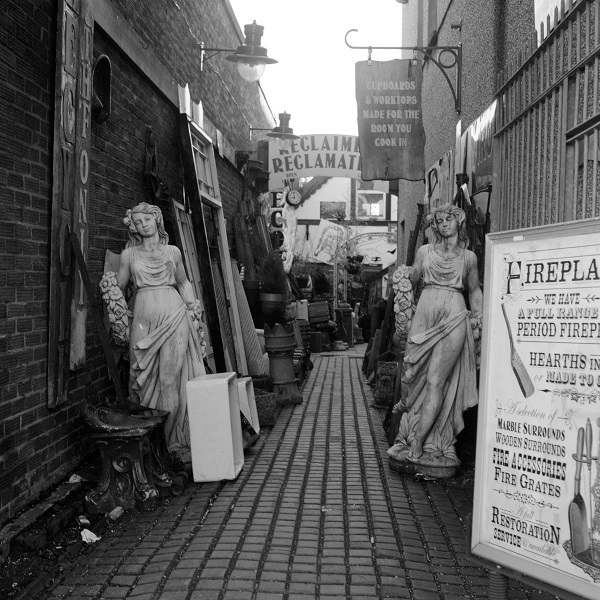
[460, 216]
[149, 209]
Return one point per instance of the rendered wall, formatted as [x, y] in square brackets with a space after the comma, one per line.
[491, 32]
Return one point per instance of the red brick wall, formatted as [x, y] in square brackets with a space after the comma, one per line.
[40, 447]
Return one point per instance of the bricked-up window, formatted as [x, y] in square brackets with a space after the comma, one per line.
[204, 160]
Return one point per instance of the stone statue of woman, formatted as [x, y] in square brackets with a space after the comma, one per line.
[165, 346]
[438, 380]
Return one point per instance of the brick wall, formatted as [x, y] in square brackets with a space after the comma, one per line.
[33, 440]
[40, 447]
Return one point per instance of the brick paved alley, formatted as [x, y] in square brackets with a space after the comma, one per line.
[315, 513]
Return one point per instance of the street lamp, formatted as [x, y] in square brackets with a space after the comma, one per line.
[283, 132]
[251, 58]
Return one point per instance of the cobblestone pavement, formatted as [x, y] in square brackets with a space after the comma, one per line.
[315, 513]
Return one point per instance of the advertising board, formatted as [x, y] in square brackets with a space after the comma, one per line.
[537, 476]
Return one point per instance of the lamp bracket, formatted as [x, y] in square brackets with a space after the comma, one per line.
[260, 129]
[204, 50]
[448, 57]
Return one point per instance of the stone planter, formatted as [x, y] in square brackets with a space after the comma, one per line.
[267, 408]
[272, 304]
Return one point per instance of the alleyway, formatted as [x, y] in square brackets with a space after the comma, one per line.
[315, 513]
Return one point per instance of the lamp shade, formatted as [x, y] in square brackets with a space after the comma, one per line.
[284, 131]
[251, 57]
[250, 72]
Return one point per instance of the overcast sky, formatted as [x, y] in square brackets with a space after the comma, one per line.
[314, 78]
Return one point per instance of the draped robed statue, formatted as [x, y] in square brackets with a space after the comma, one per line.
[166, 348]
[438, 378]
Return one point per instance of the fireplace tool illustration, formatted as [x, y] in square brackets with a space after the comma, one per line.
[518, 367]
[583, 548]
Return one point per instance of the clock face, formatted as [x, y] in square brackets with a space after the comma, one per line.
[294, 198]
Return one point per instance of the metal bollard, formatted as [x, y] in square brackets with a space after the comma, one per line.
[498, 588]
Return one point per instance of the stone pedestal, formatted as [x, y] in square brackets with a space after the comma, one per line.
[346, 317]
[425, 465]
[136, 466]
[124, 480]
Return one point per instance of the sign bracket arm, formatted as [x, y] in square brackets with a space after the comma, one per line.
[453, 55]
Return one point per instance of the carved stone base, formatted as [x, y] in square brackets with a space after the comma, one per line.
[137, 467]
[124, 481]
[438, 467]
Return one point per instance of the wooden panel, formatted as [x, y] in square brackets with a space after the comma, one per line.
[202, 246]
[79, 223]
[226, 329]
[187, 244]
[203, 185]
[70, 176]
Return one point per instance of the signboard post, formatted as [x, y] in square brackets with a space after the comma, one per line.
[537, 477]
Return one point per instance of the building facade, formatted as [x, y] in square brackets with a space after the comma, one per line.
[526, 131]
[92, 94]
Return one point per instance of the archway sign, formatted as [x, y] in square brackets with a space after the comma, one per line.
[311, 155]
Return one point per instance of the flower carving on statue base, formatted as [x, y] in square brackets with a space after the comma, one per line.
[118, 312]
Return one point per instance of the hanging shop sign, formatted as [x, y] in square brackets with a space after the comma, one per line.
[537, 476]
[390, 125]
[439, 182]
[479, 138]
[312, 155]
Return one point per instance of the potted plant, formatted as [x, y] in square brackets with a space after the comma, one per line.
[300, 271]
[354, 264]
[273, 293]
